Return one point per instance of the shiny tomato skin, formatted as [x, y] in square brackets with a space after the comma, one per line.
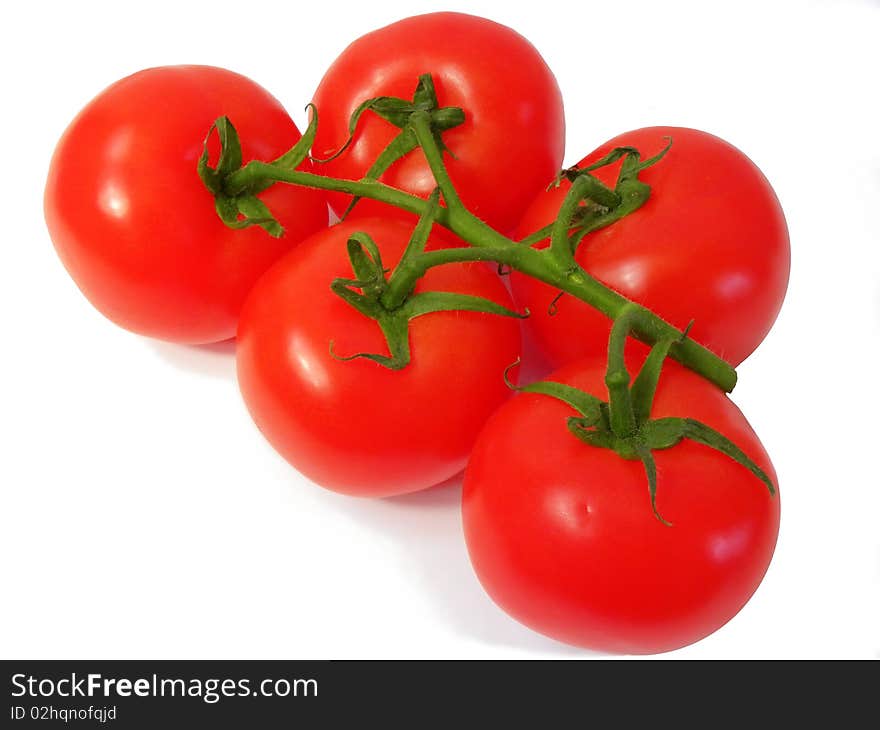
[357, 427]
[513, 138]
[133, 223]
[710, 245]
[562, 537]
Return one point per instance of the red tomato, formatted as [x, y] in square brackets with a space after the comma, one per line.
[710, 245]
[357, 427]
[132, 221]
[562, 536]
[513, 137]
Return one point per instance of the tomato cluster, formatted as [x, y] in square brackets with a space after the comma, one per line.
[374, 377]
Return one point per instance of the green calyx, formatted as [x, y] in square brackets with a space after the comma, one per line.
[623, 423]
[590, 205]
[393, 306]
[400, 113]
[238, 206]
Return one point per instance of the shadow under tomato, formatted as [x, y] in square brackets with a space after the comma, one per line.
[216, 360]
[427, 526]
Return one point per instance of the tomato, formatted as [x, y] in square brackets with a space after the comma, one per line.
[511, 142]
[355, 426]
[562, 535]
[710, 245]
[132, 221]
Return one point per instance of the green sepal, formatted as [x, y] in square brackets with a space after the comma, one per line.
[395, 324]
[633, 165]
[404, 143]
[644, 386]
[256, 212]
[395, 328]
[392, 110]
[241, 208]
[425, 95]
[574, 172]
[230, 156]
[583, 429]
[597, 192]
[647, 459]
[227, 209]
[344, 288]
[366, 263]
[398, 111]
[611, 158]
[663, 433]
[633, 192]
[440, 301]
[247, 210]
[584, 403]
[602, 206]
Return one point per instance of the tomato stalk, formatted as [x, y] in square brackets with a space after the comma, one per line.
[555, 265]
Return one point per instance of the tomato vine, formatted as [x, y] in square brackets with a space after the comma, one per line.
[588, 205]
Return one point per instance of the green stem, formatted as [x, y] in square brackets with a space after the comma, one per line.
[256, 173]
[409, 271]
[537, 236]
[620, 406]
[421, 125]
[400, 286]
[490, 245]
[644, 386]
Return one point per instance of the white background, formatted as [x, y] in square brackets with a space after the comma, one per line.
[143, 515]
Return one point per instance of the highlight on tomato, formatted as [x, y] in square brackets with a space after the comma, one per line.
[133, 223]
[710, 245]
[512, 137]
[388, 422]
[637, 543]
